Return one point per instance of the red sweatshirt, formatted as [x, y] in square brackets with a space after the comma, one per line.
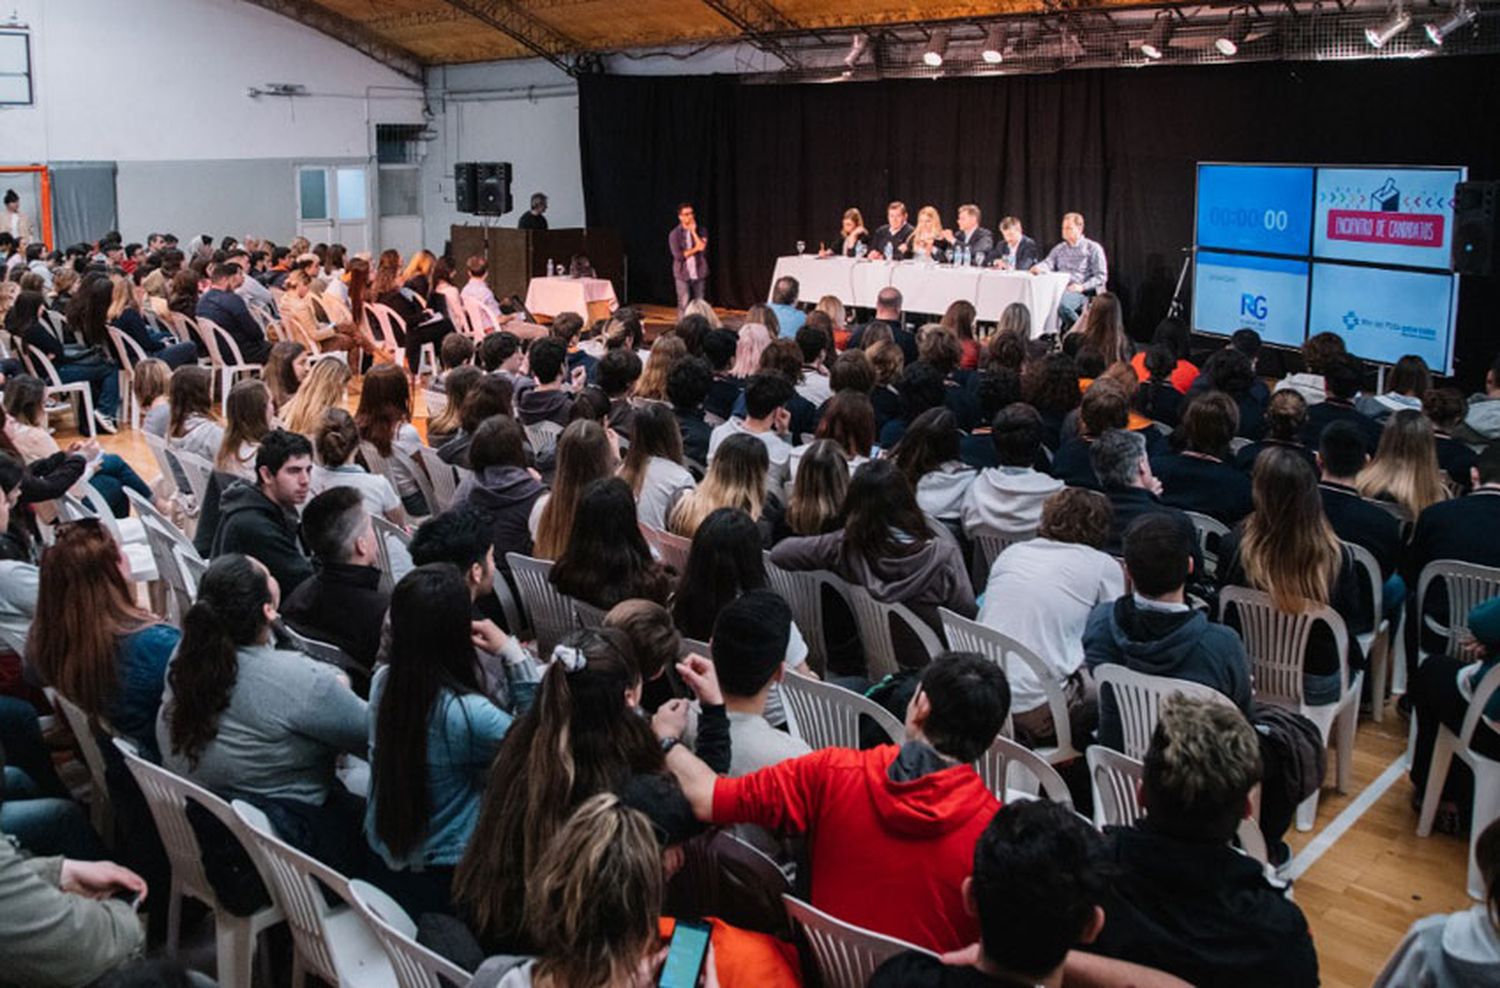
[887, 856]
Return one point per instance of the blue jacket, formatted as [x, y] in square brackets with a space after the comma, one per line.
[229, 311]
[142, 668]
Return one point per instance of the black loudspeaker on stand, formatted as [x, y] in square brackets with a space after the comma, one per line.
[1476, 226]
[482, 188]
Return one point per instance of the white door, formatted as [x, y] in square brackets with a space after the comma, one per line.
[333, 205]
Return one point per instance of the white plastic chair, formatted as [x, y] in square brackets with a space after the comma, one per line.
[671, 549]
[101, 809]
[803, 592]
[552, 614]
[129, 534]
[1374, 644]
[1486, 774]
[333, 942]
[846, 956]
[543, 436]
[197, 471]
[1013, 771]
[224, 354]
[192, 567]
[164, 542]
[1138, 698]
[80, 393]
[385, 320]
[435, 402]
[414, 965]
[827, 716]
[235, 937]
[481, 322]
[970, 636]
[874, 619]
[1277, 644]
[1209, 531]
[392, 546]
[443, 476]
[987, 548]
[1467, 584]
[323, 652]
[128, 353]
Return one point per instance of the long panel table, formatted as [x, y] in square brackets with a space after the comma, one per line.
[926, 288]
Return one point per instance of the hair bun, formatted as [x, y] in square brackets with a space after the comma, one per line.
[570, 658]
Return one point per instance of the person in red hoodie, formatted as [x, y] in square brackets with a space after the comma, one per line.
[891, 830]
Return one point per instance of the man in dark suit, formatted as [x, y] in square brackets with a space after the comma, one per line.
[229, 312]
[1342, 382]
[1341, 455]
[896, 234]
[888, 311]
[1463, 529]
[1018, 252]
[970, 236]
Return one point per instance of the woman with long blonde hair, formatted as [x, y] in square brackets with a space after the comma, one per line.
[586, 452]
[322, 389]
[754, 338]
[701, 307]
[821, 483]
[1405, 468]
[736, 479]
[1287, 548]
[665, 352]
[927, 236]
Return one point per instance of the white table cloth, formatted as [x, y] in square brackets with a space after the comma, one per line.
[549, 296]
[925, 287]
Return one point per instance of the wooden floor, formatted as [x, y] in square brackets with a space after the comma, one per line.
[1360, 894]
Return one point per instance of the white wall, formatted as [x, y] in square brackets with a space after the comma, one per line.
[164, 81]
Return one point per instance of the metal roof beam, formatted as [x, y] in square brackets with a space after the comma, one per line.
[512, 20]
[758, 21]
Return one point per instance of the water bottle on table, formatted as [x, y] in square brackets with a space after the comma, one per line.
[890, 250]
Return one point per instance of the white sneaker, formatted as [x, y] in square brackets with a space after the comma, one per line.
[105, 423]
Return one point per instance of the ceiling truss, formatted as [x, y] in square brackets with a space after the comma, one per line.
[512, 20]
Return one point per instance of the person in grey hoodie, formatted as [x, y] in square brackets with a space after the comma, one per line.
[1482, 424]
[888, 547]
[501, 490]
[546, 400]
[1007, 499]
[1154, 631]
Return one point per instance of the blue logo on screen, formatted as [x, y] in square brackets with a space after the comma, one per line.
[1351, 320]
[1253, 305]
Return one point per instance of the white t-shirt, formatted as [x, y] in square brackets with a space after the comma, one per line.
[379, 497]
[779, 449]
[1040, 593]
[662, 482]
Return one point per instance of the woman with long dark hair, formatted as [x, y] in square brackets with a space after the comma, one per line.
[819, 487]
[410, 303]
[194, 425]
[928, 457]
[123, 311]
[384, 420]
[433, 735]
[89, 639]
[586, 452]
[653, 463]
[1101, 328]
[1050, 385]
[92, 366]
[248, 421]
[251, 721]
[960, 318]
[285, 370]
[606, 559]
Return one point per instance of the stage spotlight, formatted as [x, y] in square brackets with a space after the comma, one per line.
[936, 48]
[857, 47]
[1155, 45]
[1461, 17]
[1382, 34]
[1234, 35]
[993, 52]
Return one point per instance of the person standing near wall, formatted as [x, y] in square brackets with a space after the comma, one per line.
[533, 218]
[15, 222]
[688, 243]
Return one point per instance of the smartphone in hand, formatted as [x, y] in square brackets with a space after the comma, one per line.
[685, 956]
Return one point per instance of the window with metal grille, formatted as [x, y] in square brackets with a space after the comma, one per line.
[15, 68]
[396, 144]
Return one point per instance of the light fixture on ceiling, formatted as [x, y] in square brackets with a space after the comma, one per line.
[1463, 15]
[1382, 34]
[857, 46]
[937, 47]
[993, 52]
[1155, 45]
[1235, 33]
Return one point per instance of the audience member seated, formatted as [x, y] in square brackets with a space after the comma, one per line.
[260, 518]
[1174, 341]
[1007, 499]
[228, 311]
[888, 315]
[1153, 630]
[1405, 469]
[1342, 377]
[284, 373]
[1341, 458]
[325, 388]
[1444, 407]
[587, 450]
[816, 504]
[720, 348]
[1040, 593]
[1232, 372]
[1460, 948]
[653, 464]
[409, 303]
[927, 457]
[886, 367]
[1198, 477]
[1482, 422]
[1050, 385]
[607, 559]
[66, 923]
[89, 639]
[342, 603]
[1286, 416]
[249, 721]
[458, 384]
[617, 373]
[1119, 460]
[1407, 382]
[151, 384]
[920, 387]
[194, 426]
[1104, 407]
[501, 489]
[1320, 352]
[457, 351]
[750, 640]
[460, 538]
[887, 547]
[490, 396]
[500, 355]
[433, 735]
[384, 421]
[766, 420]
[848, 419]
[547, 400]
[1180, 898]
[815, 341]
[737, 478]
[584, 716]
[1158, 398]
[865, 812]
[688, 383]
[247, 419]
[37, 811]
[72, 366]
[1287, 548]
[657, 646]
[651, 386]
[941, 349]
[336, 442]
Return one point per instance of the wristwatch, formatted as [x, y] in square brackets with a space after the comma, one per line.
[667, 744]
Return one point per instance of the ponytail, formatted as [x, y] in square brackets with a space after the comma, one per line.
[228, 614]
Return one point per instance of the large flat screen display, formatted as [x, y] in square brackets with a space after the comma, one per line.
[1262, 208]
[1243, 291]
[1396, 216]
[1384, 315]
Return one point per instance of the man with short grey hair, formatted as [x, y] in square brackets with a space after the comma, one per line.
[1124, 471]
[534, 218]
[1083, 261]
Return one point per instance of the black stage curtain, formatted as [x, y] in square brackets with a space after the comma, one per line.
[767, 165]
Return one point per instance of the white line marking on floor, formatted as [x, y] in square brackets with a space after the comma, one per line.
[1347, 818]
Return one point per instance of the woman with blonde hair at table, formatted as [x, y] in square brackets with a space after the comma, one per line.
[927, 241]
